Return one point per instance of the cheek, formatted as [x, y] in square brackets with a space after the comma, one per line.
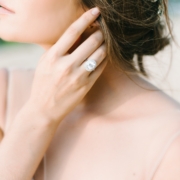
[37, 24]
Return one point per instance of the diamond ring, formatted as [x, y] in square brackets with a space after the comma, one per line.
[90, 65]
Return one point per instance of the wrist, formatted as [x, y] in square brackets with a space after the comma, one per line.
[34, 115]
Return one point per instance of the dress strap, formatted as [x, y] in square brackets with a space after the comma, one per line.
[163, 153]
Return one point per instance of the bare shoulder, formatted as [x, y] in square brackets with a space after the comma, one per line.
[163, 154]
[155, 100]
[161, 122]
[168, 166]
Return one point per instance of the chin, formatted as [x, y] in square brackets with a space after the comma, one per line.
[12, 37]
[20, 37]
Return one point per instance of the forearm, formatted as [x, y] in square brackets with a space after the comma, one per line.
[24, 145]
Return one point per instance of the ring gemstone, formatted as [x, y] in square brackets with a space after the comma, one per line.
[90, 65]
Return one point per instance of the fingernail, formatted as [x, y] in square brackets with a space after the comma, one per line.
[95, 11]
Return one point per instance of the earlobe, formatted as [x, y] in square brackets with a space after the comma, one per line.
[94, 24]
[90, 27]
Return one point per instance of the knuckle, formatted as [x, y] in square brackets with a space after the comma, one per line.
[71, 60]
[73, 31]
[53, 56]
[75, 83]
[53, 52]
[99, 34]
[64, 67]
[67, 71]
[102, 53]
[95, 41]
[97, 38]
[87, 17]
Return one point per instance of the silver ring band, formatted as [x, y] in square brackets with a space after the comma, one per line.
[90, 65]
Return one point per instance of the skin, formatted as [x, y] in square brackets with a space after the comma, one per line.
[28, 14]
[100, 109]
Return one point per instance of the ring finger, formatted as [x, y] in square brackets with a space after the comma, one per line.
[98, 56]
[87, 47]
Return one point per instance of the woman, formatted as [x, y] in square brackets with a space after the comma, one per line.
[81, 123]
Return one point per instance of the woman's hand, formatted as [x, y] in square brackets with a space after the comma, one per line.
[60, 83]
[60, 80]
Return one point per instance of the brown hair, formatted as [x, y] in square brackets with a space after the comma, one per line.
[131, 27]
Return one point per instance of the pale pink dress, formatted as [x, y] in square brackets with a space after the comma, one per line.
[14, 91]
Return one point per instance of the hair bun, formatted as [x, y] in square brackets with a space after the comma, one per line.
[131, 27]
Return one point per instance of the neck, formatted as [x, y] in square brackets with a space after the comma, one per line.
[111, 91]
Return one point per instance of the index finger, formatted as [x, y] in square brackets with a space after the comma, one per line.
[71, 35]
